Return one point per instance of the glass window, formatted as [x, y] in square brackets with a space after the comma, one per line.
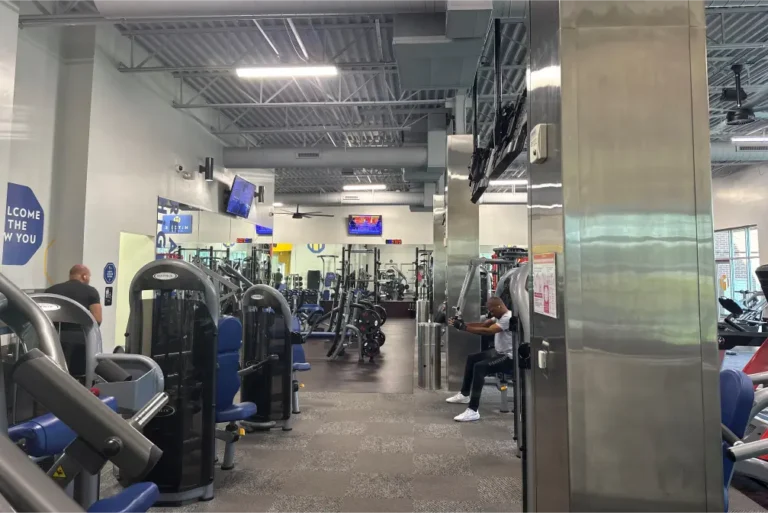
[737, 256]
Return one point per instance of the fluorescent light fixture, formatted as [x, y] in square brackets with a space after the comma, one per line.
[366, 187]
[750, 139]
[287, 71]
[277, 204]
[507, 183]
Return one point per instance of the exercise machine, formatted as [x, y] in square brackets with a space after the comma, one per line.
[272, 355]
[84, 430]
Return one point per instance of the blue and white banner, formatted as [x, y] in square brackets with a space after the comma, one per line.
[23, 227]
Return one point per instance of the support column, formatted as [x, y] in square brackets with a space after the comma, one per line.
[462, 229]
[460, 113]
[9, 33]
[625, 374]
[438, 254]
[71, 147]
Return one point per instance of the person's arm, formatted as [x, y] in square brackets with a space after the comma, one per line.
[95, 305]
[484, 330]
[485, 324]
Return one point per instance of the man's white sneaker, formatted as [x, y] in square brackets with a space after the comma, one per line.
[458, 399]
[467, 416]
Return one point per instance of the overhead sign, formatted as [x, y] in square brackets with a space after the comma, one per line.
[545, 284]
[244, 240]
[316, 248]
[23, 227]
[394, 241]
[110, 273]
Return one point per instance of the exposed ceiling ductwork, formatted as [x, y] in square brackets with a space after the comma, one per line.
[406, 157]
[157, 8]
[411, 199]
[726, 151]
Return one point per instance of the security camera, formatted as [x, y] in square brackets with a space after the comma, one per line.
[179, 168]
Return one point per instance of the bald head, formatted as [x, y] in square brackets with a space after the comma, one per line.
[496, 306]
[81, 273]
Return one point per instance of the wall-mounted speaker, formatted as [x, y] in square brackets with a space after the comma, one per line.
[207, 169]
[259, 194]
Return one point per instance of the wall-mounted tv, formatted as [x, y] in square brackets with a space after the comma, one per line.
[241, 197]
[263, 230]
[364, 225]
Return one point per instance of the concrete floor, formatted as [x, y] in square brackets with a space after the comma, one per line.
[369, 440]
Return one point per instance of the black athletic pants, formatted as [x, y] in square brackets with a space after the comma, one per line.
[480, 365]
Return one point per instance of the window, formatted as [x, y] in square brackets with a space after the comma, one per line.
[737, 256]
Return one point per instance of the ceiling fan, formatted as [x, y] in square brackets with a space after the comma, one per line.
[301, 215]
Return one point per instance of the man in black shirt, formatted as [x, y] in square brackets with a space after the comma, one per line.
[77, 289]
[71, 336]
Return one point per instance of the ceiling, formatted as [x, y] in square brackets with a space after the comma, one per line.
[203, 53]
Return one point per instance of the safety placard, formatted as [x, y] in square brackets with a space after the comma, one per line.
[545, 284]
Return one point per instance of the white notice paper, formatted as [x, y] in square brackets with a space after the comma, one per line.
[545, 284]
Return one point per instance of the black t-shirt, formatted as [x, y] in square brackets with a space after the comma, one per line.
[76, 291]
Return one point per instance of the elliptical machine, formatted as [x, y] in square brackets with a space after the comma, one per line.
[178, 328]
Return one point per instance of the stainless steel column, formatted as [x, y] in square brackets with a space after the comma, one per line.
[625, 373]
[462, 233]
[428, 335]
[438, 254]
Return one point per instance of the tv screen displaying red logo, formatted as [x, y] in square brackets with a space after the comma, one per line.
[364, 225]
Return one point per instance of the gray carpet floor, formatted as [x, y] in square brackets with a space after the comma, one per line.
[354, 450]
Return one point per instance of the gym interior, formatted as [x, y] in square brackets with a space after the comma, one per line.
[498, 255]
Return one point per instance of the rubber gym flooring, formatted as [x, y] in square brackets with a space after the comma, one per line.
[369, 440]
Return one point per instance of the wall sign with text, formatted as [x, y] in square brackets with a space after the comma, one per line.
[23, 226]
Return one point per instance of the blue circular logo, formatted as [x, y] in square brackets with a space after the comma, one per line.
[316, 248]
[110, 273]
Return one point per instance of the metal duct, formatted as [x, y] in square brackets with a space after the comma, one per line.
[726, 151]
[407, 157]
[131, 8]
[413, 199]
[352, 198]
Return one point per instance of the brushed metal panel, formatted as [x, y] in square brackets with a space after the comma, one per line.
[438, 254]
[626, 413]
[463, 243]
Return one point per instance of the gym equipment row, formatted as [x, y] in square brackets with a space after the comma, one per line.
[198, 350]
[79, 433]
[353, 321]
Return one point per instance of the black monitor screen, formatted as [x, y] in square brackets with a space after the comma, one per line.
[241, 197]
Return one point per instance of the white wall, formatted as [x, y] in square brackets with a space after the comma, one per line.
[9, 27]
[398, 223]
[135, 139]
[32, 146]
[504, 225]
[740, 200]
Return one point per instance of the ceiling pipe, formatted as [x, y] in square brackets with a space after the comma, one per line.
[261, 157]
[726, 151]
[414, 199]
[352, 198]
[275, 8]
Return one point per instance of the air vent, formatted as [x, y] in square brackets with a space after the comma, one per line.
[347, 171]
[307, 154]
[752, 148]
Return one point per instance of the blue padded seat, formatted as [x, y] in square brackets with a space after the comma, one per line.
[299, 359]
[310, 309]
[134, 499]
[227, 381]
[736, 396]
[46, 435]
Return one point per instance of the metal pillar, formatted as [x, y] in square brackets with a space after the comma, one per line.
[621, 90]
[460, 113]
[438, 255]
[462, 230]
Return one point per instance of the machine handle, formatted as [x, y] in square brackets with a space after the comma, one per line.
[142, 417]
[256, 366]
[761, 378]
[743, 451]
[729, 436]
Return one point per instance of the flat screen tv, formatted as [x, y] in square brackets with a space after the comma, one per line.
[241, 197]
[263, 230]
[364, 225]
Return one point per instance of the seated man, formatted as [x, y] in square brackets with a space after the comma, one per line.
[479, 365]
